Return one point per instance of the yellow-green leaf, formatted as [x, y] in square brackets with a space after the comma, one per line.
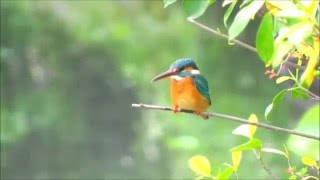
[282, 48]
[308, 161]
[282, 79]
[290, 13]
[298, 32]
[242, 130]
[308, 75]
[226, 173]
[250, 145]
[282, 4]
[252, 128]
[200, 165]
[311, 6]
[276, 100]
[236, 159]
[166, 3]
[275, 151]
[226, 2]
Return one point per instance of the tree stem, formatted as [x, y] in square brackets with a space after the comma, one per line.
[231, 118]
[240, 43]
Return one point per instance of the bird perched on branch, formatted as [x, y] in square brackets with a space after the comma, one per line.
[189, 90]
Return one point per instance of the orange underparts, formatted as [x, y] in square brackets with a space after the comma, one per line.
[184, 95]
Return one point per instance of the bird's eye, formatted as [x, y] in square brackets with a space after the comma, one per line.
[175, 70]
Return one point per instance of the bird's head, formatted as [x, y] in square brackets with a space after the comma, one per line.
[180, 65]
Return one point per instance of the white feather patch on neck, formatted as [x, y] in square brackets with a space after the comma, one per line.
[178, 78]
[195, 71]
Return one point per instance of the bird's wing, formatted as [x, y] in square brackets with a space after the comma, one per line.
[202, 86]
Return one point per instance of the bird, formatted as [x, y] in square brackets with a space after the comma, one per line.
[188, 89]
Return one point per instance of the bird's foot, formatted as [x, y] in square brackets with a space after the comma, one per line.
[175, 109]
[199, 113]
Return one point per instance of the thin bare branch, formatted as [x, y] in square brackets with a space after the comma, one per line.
[231, 118]
[240, 43]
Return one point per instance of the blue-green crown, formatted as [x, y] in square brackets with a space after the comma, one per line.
[183, 63]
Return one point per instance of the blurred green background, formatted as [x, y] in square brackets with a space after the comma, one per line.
[70, 71]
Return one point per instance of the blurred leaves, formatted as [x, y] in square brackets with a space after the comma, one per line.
[183, 143]
[308, 123]
[92, 57]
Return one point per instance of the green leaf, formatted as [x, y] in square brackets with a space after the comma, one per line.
[245, 2]
[226, 173]
[195, 9]
[212, 1]
[299, 94]
[243, 17]
[168, 2]
[268, 110]
[252, 144]
[275, 102]
[264, 39]
[282, 79]
[228, 12]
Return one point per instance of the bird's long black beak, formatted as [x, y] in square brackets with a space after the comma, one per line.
[164, 75]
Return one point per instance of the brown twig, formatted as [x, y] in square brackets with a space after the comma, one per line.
[267, 169]
[242, 44]
[231, 118]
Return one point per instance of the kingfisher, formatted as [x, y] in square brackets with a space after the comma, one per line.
[189, 90]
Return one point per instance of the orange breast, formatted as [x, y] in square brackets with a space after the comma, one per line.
[185, 95]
